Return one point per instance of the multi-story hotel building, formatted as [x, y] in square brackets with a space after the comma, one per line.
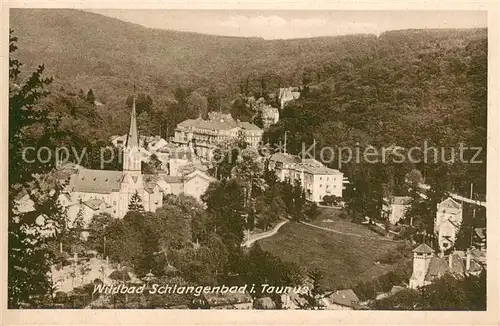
[206, 135]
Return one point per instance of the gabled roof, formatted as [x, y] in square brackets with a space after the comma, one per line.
[344, 298]
[401, 200]
[449, 203]
[200, 174]
[96, 181]
[284, 158]
[423, 249]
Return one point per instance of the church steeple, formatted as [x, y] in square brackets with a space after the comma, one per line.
[132, 153]
[133, 136]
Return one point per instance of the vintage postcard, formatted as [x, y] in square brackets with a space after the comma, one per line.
[328, 164]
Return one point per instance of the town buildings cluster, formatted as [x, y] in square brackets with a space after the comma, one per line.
[92, 192]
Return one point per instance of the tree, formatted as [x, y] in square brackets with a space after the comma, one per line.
[90, 97]
[97, 231]
[135, 203]
[225, 205]
[31, 233]
[249, 170]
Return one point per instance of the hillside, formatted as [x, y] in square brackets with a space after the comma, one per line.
[93, 51]
[402, 87]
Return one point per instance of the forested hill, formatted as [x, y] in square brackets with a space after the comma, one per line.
[95, 51]
[401, 87]
[88, 50]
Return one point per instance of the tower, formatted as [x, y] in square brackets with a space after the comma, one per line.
[132, 181]
[421, 258]
[131, 153]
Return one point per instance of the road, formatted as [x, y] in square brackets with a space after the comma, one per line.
[263, 235]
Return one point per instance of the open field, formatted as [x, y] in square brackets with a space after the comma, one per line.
[330, 218]
[344, 259]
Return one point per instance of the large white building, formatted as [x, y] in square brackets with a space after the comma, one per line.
[206, 135]
[316, 179]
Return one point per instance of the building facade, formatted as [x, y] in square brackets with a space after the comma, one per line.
[447, 222]
[428, 267]
[316, 179]
[396, 208]
[286, 95]
[206, 135]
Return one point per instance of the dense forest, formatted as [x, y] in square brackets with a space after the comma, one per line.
[429, 83]
[400, 88]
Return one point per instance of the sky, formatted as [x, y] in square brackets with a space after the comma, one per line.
[283, 24]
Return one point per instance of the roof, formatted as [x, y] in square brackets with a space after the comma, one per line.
[224, 122]
[200, 174]
[96, 181]
[319, 170]
[94, 203]
[344, 298]
[480, 232]
[437, 268]
[312, 162]
[265, 303]
[449, 203]
[400, 200]
[423, 249]
[172, 179]
[284, 158]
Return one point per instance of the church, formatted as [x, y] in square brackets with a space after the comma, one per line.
[95, 191]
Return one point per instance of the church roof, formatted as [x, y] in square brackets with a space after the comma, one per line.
[96, 181]
[423, 249]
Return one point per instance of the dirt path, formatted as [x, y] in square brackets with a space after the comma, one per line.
[263, 235]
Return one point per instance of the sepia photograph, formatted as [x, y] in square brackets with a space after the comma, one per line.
[247, 159]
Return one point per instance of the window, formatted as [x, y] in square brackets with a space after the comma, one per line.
[320, 185]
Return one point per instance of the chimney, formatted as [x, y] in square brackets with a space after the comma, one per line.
[467, 261]
[450, 260]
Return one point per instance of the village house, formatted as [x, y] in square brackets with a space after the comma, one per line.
[395, 208]
[340, 300]
[316, 179]
[447, 222]
[428, 267]
[286, 95]
[206, 135]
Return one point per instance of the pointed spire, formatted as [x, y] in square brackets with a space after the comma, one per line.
[133, 136]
